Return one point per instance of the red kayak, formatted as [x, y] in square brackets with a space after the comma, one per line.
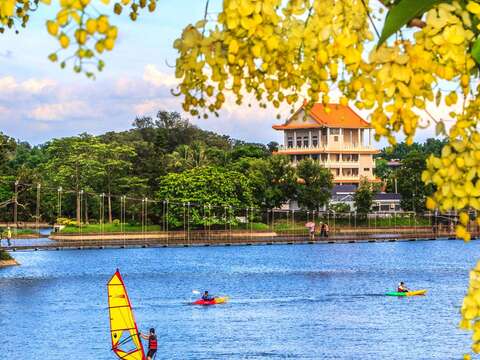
[215, 301]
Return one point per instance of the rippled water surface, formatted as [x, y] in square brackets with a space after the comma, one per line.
[299, 302]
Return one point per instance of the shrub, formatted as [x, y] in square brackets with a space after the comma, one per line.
[5, 255]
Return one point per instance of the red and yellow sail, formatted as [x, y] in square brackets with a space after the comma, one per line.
[126, 342]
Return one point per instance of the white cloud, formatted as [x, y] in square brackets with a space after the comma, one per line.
[60, 111]
[155, 77]
[9, 84]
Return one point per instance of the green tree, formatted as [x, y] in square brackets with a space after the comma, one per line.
[340, 208]
[242, 150]
[363, 197]
[215, 187]
[116, 160]
[7, 151]
[314, 185]
[75, 163]
[410, 184]
[273, 180]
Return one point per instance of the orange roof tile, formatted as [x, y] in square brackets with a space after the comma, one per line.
[339, 116]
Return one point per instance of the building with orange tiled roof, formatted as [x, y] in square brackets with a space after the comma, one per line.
[335, 136]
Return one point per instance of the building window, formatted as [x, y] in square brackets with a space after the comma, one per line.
[315, 157]
[290, 142]
[305, 141]
[366, 169]
[299, 142]
[323, 157]
[335, 157]
[314, 141]
[350, 172]
[350, 157]
[334, 131]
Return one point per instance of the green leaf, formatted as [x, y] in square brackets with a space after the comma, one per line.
[476, 50]
[401, 14]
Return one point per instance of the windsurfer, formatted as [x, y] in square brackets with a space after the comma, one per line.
[152, 343]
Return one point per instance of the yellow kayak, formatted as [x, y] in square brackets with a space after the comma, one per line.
[410, 293]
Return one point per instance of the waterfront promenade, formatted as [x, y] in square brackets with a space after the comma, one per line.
[57, 241]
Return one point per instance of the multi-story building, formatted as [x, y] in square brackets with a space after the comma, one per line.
[338, 138]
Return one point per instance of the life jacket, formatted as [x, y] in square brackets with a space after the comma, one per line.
[152, 342]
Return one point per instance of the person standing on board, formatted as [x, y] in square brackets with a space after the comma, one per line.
[152, 343]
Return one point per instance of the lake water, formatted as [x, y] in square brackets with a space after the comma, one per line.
[298, 302]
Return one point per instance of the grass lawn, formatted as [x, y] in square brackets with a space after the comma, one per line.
[279, 225]
[96, 228]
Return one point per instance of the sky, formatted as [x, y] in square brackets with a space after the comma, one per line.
[39, 101]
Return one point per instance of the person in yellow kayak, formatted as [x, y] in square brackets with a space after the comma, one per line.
[207, 297]
[402, 287]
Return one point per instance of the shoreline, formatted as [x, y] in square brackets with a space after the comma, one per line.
[11, 262]
[181, 241]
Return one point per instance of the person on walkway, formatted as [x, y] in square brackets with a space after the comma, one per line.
[402, 287]
[322, 230]
[9, 236]
[327, 229]
[152, 343]
[206, 296]
[311, 230]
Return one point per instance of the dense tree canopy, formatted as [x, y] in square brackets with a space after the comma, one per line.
[363, 197]
[209, 192]
[315, 185]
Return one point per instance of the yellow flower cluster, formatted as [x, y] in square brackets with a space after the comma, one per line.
[470, 310]
[14, 10]
[90, 35]
[271, 49]
[456, 173]
[135, 6]
[74, 26]
[398, 80]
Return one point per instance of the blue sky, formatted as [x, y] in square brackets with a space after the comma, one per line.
[39, 101]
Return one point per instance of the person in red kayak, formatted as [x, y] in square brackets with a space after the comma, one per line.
[402, 287]
[207, 297]
[152, 343]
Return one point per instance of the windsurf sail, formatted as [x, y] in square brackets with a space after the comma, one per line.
[126, 342]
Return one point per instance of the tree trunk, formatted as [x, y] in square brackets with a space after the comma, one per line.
[110, 208]
[78, 209]
[86, 210]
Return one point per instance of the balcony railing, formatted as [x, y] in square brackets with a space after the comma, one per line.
[327, 147]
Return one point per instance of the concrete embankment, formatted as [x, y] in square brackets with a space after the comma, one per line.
[227, 238]
[11, 262]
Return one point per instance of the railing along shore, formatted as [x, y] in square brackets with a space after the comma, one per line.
[225, 238]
